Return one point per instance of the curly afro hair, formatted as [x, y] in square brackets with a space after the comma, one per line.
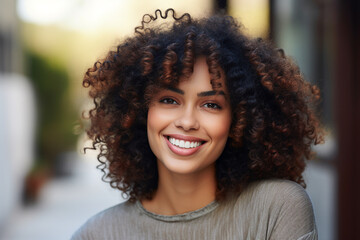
[273, 108]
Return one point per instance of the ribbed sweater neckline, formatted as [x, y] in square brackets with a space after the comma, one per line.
[179, 217]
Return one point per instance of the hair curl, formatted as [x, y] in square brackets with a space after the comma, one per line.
[273, 118]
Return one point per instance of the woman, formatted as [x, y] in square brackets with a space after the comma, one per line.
[206, 131]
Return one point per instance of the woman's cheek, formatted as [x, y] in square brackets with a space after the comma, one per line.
[218, 126]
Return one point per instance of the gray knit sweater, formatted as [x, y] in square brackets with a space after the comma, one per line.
[268, 209]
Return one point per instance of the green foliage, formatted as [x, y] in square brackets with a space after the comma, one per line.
[56, 114]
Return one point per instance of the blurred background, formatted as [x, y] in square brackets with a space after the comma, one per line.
[48, 188]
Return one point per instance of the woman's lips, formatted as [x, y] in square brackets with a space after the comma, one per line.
[180, 150]
[185, 138]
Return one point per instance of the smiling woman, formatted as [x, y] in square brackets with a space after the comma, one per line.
[188, 128]
[206, 131]
[192, 117]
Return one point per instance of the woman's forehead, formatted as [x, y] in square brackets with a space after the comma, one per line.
[201, 76]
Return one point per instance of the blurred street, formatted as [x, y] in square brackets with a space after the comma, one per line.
[64, 205]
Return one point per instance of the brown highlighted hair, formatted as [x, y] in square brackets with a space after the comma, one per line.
[273, 118]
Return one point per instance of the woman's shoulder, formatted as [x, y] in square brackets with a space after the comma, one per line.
[281, 205]
[104, 220]
[278, 193]
[275, 189]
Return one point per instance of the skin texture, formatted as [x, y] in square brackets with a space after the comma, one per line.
[187, 181]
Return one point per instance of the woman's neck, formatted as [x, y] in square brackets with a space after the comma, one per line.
[180, 193]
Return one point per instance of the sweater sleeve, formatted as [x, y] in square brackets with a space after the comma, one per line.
[294, 216]
[83, 233]
[309, 236]
[98, 226]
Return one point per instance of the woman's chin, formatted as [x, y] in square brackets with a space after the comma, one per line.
[183, 167]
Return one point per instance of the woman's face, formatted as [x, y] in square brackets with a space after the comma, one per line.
[188, 126]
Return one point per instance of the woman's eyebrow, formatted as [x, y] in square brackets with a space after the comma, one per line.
[200, 94]
[175, 90]
[210, 93]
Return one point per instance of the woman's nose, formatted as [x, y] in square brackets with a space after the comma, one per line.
[187, 120]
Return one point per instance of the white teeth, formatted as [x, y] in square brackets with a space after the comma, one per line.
[183, 144]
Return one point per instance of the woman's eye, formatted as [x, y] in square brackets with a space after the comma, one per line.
[168, 101]
[212, 105]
